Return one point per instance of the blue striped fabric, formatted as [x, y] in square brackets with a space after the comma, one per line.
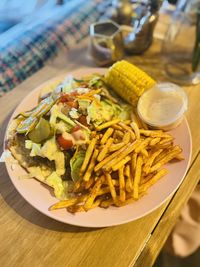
[25, 48]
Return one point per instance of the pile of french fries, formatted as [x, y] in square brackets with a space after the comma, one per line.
[122, 161]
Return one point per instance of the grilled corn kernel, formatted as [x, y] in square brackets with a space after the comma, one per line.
[128, 81]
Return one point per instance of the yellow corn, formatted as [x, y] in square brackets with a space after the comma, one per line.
[128, 81]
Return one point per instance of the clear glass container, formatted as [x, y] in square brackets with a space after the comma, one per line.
[106, 45]
[178, 46]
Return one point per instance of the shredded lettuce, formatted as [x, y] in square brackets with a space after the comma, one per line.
[100, 112]
[50, 150]
[69, 84]
[56, 113]
[125, 112]
[34, 147]
[62, 127]
[28, 144]
[95, 82]
[83, 103]
[59, 186]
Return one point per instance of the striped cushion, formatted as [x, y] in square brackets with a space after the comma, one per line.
[25, 48]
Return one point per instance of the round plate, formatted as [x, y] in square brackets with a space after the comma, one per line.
[41, 197]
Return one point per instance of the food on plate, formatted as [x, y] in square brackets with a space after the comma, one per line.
[88, 144]
[124, 175]
[50, 140]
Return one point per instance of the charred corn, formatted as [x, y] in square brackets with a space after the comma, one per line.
[128, 81]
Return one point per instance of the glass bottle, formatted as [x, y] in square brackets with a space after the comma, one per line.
[179, 43]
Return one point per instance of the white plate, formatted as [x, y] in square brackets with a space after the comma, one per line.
[41, 197]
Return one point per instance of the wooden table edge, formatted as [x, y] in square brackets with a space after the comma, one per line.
[169, 217]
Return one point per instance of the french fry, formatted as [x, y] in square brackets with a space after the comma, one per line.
[135, 129]
[143, 144]
[116, 127]
[88, 155]
[120, 156]
[126, 202]
[119, 134]
[129, 181]
[115, 147]
[133, 162]
[94, 192]
[107, 124]
[91, 165]
[80, 208]
[151, 160]
[112, 188]
[135, 118]
[127, 122]
[75, 208]
[137, 177]
[129, 199]
[161, 155]
[169, 156]
[166, 145]
[96, 203]
[109, 158]
[166, 140]
[93, 134]
[154, 133]
[153, 180]
[144, 152]
[154, 141]
[127, 128]
[114, 181]
[146, 178]
[89, 183]
[77, 185]
[121, 163]
[103, 191]
[106, 203]
[122, 193]
[126, 138]
[179, 157]
[106, 135]
[66, 203]
[105, 149]
[144, 125]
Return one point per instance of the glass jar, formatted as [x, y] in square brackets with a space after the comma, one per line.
[179, 43]
[106, 44]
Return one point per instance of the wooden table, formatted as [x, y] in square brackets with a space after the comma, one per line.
[29, 238]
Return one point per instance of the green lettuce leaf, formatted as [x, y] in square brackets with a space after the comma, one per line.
[75, 165]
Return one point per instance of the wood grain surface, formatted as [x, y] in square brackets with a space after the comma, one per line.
[28, 238]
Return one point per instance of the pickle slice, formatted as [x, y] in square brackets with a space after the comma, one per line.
[41, 132]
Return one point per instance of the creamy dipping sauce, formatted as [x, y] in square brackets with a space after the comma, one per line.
[162, 105]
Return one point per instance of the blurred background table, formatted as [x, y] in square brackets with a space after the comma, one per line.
[29, 238]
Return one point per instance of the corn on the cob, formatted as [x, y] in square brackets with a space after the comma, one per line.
[128, 81]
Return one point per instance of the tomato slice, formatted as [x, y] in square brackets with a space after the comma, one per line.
[82, 119]
[65, 98]
[64, 143]
[72, 104]
[75, 128]
[74, 93]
